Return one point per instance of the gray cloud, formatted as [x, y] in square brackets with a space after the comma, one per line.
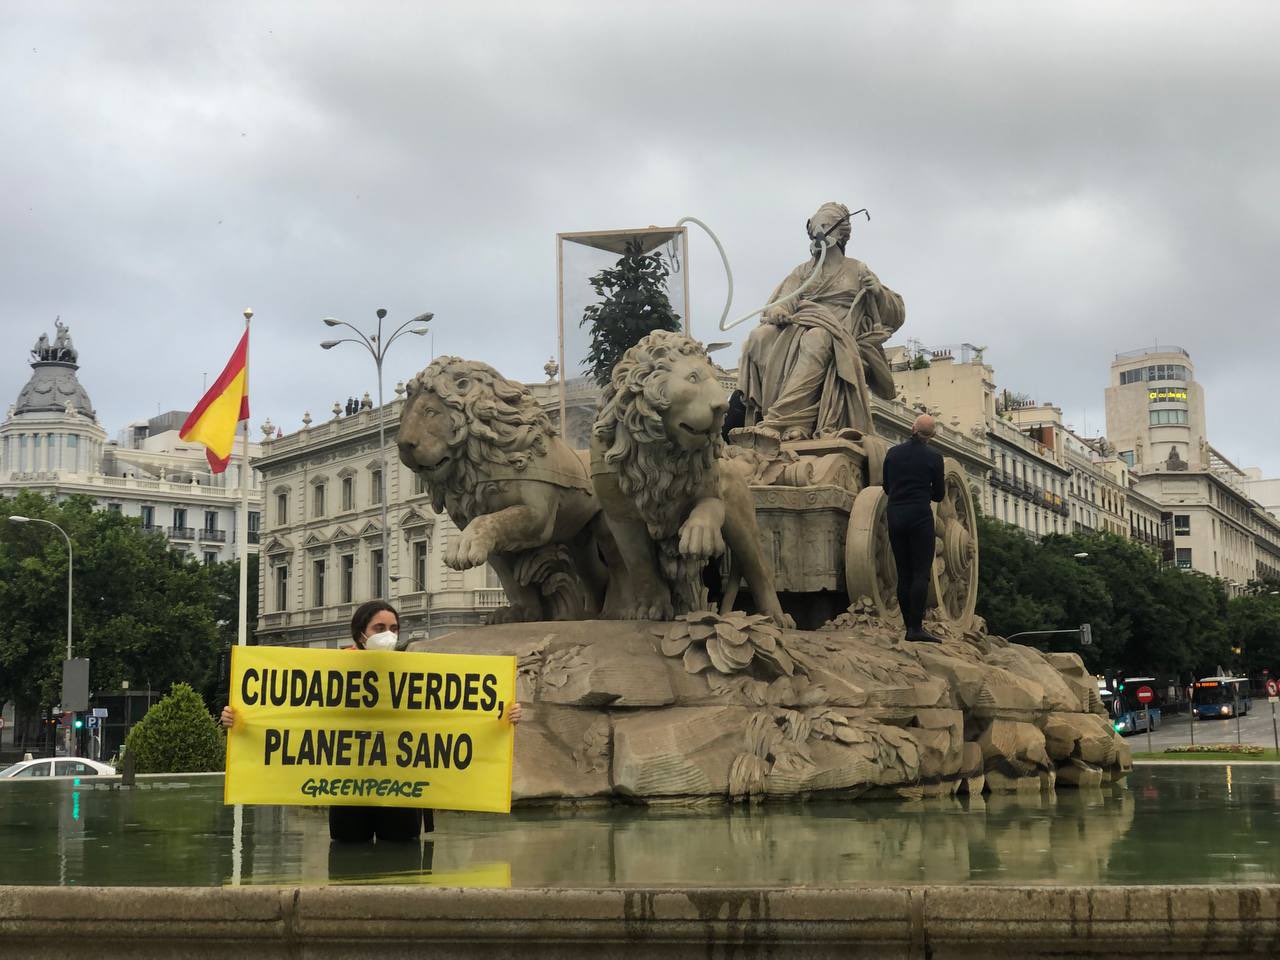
[1057, 181]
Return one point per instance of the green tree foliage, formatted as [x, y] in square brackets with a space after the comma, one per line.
[1145, 617]
[633, 304]
[178, 735]
[1253, 626]
[142, 612]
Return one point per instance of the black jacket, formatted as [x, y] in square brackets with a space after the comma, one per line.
[913, 474]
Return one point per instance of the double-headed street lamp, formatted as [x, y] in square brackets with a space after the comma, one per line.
[70, 554]
[378, 346]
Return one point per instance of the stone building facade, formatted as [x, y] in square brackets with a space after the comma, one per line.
[52, 443]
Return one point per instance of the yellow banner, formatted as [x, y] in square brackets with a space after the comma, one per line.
[370, 728]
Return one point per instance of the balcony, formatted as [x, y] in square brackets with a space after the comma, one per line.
[490, 598]
[213, 536]
[182, 533]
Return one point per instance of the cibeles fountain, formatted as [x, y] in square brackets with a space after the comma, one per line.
[698, 619]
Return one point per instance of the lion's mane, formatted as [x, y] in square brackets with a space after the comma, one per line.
[652, 471]
[493, 421]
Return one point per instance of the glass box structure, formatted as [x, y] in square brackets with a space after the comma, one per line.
[581, 256]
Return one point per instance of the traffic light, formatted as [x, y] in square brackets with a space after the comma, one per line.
[79, 724]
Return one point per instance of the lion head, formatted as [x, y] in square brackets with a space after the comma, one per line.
[660, 421]
[461, 418]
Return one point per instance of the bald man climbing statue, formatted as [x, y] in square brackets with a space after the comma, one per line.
[914, 482]
[809, 368]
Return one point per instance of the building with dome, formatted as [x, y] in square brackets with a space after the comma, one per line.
[52, 443]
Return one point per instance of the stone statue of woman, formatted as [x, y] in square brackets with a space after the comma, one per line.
[811, 366]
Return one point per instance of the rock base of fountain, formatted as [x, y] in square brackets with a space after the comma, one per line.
[732, 707]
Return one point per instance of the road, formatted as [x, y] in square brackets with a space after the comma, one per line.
[1255, 728]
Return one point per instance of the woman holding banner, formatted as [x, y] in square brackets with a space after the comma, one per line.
[375, 626]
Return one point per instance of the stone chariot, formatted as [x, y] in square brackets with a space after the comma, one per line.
[822, 517]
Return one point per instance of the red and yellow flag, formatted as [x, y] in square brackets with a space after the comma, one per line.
[213, 421]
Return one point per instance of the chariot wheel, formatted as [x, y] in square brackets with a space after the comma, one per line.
[869, 569]
[953, 589]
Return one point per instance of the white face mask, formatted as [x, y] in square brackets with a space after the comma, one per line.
[386, 640]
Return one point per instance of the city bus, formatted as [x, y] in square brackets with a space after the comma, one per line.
[1217, 697]
[1127, 714]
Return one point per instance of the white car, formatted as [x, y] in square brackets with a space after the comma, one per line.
[57, 767]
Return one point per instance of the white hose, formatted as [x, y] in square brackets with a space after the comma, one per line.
[728, 300]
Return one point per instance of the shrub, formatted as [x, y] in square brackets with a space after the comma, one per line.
[178, 735]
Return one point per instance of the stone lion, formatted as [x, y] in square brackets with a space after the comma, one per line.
[491, 459]
[670, 501]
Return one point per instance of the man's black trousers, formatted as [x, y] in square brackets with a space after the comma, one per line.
[911, 535]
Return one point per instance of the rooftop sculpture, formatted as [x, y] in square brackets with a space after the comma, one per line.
[61, 351]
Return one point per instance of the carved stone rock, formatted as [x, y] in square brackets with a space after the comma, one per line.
[735, 707]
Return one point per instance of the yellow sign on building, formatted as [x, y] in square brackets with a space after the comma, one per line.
[370, 728]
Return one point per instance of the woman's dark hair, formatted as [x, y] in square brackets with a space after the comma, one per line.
[366, 612]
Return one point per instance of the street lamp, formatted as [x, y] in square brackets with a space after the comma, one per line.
[378, 347]
[50, 523]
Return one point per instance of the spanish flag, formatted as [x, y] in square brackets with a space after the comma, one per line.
[213, 422]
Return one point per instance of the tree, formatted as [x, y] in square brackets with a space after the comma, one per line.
[1253, 626]
[178, 735]
[142, 612]
[1146, 618]
[634, 303]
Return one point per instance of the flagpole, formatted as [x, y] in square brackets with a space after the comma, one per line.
[242, 634]
[242, 521]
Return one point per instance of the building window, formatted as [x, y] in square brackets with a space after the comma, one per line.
[282, 509]
[255, 521]
[420, 564]
[419, 484]
[210, 557]
[317, 500]
[1162, 418]
[1127, 457]
[1183, 558]
[375, 564]
[348, 493]
[211, 521]
[148, 514]
[282, 587]
[317, 583]
[376, 480]
[180, 517]
[1182, 525]
[348, 576]
[113, 508]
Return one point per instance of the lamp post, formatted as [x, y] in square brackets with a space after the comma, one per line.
[414, 581]
[378, 346]
[70, 564]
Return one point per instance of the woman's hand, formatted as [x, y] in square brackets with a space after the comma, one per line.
[515, 714]
[228, 717]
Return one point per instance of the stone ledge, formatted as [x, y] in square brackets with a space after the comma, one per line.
[882, 922]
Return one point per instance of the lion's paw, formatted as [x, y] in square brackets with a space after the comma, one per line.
[700, 541]
[471, 549]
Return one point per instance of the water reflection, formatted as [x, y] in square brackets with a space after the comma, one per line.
[1182, 824]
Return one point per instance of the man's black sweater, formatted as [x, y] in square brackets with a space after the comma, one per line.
[913, 474]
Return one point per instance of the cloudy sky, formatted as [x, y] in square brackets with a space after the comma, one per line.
[1055, 181]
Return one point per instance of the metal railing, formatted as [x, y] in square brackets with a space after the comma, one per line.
[213, 536]
[490, 597]
[182, 533]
